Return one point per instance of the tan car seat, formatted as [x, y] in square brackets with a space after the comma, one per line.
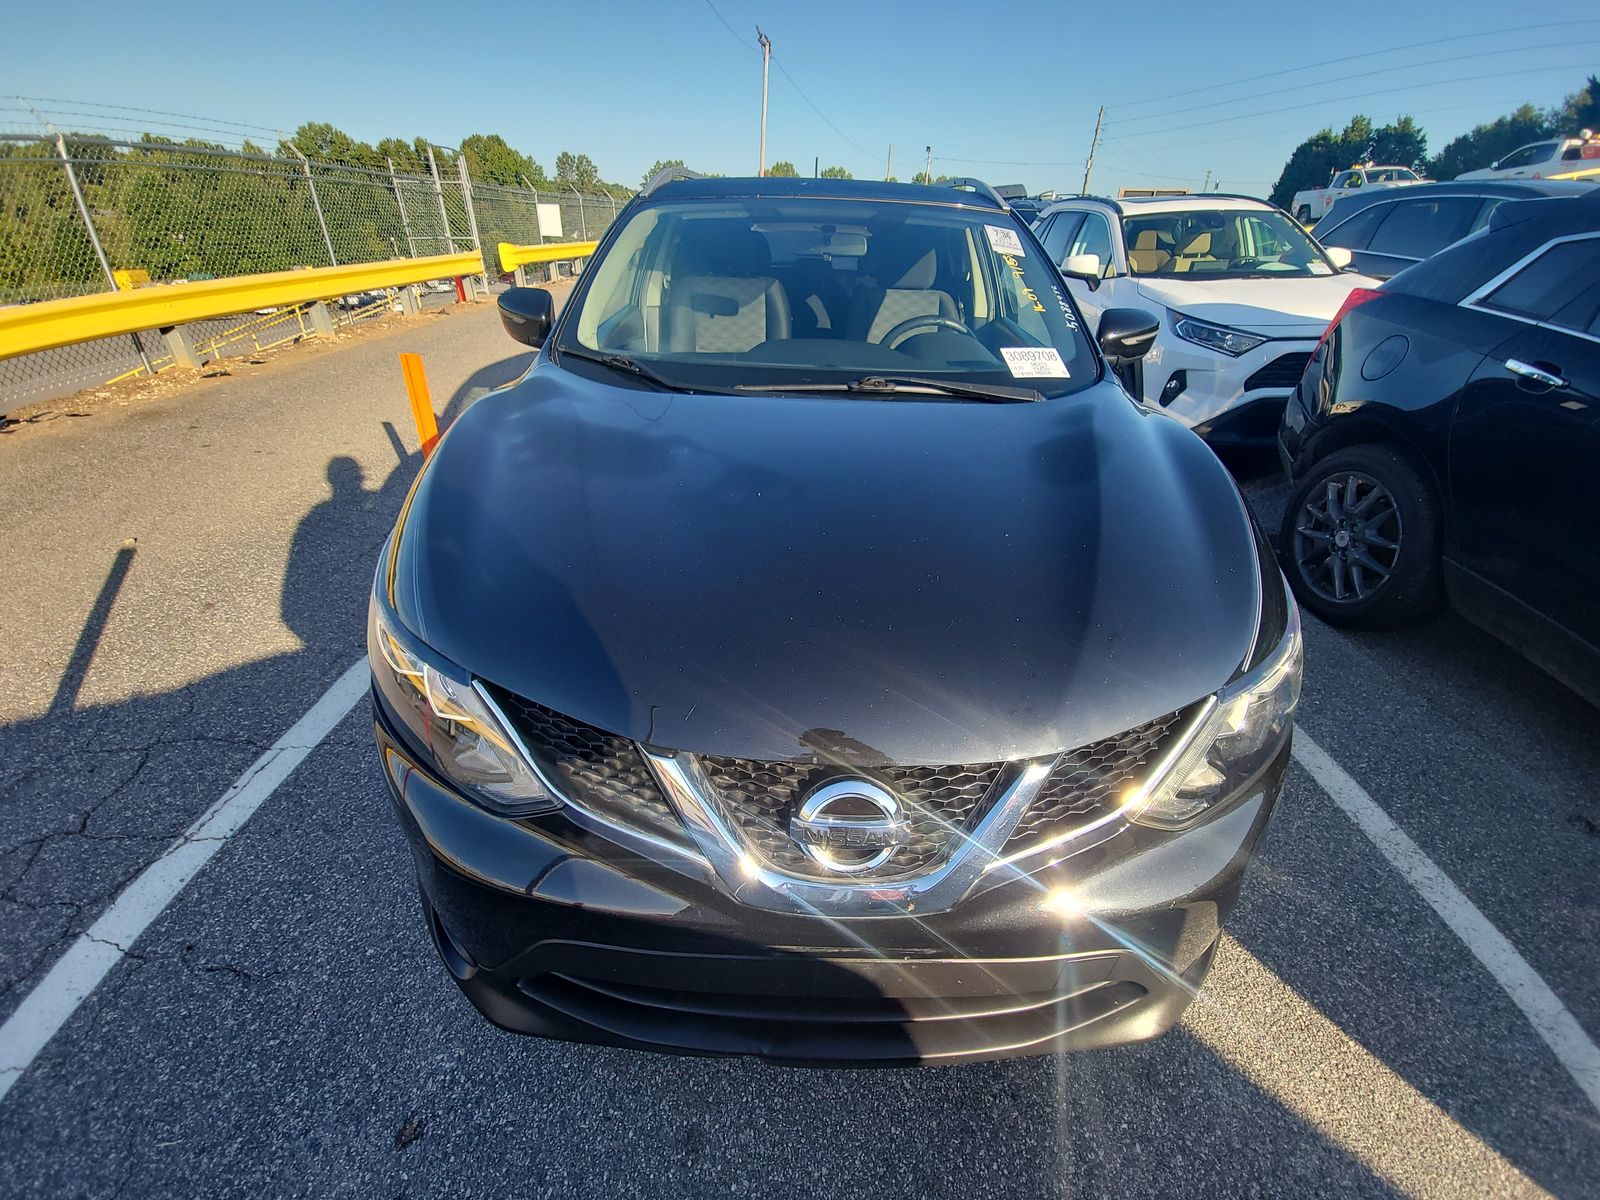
[1147, 256]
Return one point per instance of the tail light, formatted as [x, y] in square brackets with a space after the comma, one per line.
[1356, 298]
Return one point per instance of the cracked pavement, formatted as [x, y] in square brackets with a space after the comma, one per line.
[190, 576]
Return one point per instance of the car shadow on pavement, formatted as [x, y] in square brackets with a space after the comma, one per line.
[90, 796]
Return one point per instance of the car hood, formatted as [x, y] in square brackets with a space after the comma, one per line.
[1304, 304]
[753, 576]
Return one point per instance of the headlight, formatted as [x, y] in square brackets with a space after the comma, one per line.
[1220, 338]
[459, 726]
[1241, 733]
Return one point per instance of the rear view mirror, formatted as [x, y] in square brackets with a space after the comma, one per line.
[527, 313]
[1127, 333]
[1083, 266]
[1338, 256]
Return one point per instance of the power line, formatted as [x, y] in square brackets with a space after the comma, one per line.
[784, 71]
[1005, 162]
[1142, 141]
[1367, 54]
[1381, 92]
[1433, 62]
[729, 28]
[155, 112]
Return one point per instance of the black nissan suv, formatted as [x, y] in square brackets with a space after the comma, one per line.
[817, 654]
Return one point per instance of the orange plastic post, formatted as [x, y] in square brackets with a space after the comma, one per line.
[421, 402]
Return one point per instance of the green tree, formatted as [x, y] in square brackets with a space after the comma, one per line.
[783, 170]
[1314, 160]
[1402, 144]
[836, 173]
[403, 154]
[661, 164]
[325, 143]
[585, 174]
[492, 160]
[1581, 110]
[1489, 143]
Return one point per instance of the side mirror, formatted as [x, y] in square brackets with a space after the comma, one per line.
[1495, 165]
[1127, 333]
[1339, 256]
[527, 313]
[1083, 266]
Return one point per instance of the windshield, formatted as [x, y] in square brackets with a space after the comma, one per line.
[1227, 243]
[790, 291]
[1391, 175]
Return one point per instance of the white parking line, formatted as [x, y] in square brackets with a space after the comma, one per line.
[77, 972]
[1543, 1008]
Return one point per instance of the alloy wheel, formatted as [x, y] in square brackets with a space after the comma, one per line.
[1347, 537]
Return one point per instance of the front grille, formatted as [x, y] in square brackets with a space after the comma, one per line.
[597, 770]
[1090, 779]
[1282, 372]
[607, 775]
[761, 796]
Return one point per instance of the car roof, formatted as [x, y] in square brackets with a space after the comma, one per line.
[725, 188]
[1129, 206]
[1512, 189]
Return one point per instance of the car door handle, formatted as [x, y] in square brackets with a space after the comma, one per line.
[1528, 371]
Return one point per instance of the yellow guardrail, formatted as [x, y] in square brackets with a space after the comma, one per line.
[513, 256]
[26, 328]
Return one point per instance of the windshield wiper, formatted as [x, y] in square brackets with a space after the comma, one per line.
[911, 385]
[621, 362]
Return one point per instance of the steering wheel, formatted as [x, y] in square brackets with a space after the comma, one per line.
[902, 331]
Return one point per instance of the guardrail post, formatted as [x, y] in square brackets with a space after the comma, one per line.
[521, 276]
[94, 238]
[410, 302]
[438, 194]
[321, 317]
[181, 344]
[400, 203]
[316, 203]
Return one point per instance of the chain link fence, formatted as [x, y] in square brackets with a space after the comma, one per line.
[76, 210]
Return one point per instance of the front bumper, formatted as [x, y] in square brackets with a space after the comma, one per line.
[1214, 399]
[551, 930]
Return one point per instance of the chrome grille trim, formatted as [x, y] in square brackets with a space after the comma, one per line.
[752, 882]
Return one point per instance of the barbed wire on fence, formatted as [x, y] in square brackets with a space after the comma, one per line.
[76, 209]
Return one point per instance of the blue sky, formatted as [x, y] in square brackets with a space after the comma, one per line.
[1008, 92]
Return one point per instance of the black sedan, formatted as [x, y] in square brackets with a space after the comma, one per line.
[1445, 440]
[1387, 230]
[817, 654]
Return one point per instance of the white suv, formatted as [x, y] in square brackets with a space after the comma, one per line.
[1243, 291]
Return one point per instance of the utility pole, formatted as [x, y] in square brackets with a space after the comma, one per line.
[888, 170]
[1094, 145]
[1206, 186]
[928, 177]
[766, 59]
[816, 167]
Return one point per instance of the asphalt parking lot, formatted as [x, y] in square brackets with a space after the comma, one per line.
[186, 578]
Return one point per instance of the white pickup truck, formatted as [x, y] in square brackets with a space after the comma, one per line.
[1309, 206]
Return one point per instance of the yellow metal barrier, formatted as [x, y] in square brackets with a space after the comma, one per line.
[26, 328]
[513, 256]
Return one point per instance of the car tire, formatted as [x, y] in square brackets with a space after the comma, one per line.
[1303, 214]
[1360, 541]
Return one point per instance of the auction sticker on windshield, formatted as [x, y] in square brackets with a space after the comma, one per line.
[1003, 240]
[1034, 362]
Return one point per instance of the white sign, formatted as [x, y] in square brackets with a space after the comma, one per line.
[1003, 240]
[549, 217]
[1034, 362]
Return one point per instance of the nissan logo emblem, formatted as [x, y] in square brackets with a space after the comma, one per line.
[850, 826]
